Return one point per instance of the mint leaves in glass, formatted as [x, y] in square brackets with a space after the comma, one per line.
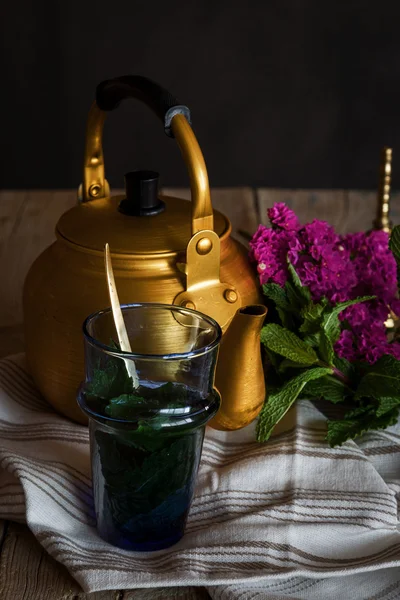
[146, 442]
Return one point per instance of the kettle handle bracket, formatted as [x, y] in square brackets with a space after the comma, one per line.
[103, 187]
[204, 290]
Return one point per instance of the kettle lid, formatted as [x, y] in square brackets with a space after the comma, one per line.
[152, 224]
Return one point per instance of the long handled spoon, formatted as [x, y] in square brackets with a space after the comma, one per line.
[118, 317]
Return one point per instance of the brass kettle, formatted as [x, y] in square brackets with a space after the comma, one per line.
[163, 249]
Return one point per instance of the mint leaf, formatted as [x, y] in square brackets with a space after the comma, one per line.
[331, 329]
[394, 244]
[311, 315]
[124, 406]
[289, 364]
[279, 402]
[273, 358]
[172, 509]
[110, 381]
[277, 294]
[344, 366]
[387, 404]
[381, 383]
[361, 410]
[287, 344]
[382, 380]
[296, 302]
[312, 339]
[386, 365]
[375, 385]
[138, 482]
[345, 429]
[297, 294]
[174, 394]
[330, 320]
[147, 435]
[326, 348]
[329, 388]
[303, 292]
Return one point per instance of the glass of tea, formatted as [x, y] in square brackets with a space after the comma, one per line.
[147, 412]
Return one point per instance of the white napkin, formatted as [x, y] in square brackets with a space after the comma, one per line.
[291, 518]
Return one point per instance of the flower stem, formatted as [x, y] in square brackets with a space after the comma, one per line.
[337, 373]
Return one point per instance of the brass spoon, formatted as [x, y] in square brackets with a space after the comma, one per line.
[118, 317]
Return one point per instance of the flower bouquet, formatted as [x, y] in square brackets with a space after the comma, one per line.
[330, 297]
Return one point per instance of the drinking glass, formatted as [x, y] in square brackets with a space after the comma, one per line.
[147, 412]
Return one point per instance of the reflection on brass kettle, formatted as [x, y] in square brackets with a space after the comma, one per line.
[240, 377]
[164, 250]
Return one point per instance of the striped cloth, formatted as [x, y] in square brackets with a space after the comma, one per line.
[288, 519]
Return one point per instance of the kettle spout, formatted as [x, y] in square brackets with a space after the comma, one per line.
[240, 375]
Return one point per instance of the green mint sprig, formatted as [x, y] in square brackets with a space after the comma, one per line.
[394, 245]
[303, 364]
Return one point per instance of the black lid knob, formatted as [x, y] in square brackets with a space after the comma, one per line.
[141, 189]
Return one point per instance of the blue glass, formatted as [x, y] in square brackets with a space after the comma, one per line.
[146, 441]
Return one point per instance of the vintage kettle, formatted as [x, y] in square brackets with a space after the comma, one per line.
[163, 249]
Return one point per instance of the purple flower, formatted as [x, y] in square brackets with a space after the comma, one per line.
[282, 216]
[296, 249]
[339, 268]
[395, 306]
[394, 350]
[319, 233]
[345, 346]
[374, 263]
[325, 266]
[269, 248]
[367, 345]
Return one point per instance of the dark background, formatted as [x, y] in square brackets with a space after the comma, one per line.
[282, 93]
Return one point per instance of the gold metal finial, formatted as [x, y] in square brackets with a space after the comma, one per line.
[382, 220]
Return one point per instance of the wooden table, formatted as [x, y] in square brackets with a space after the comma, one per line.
[27, 221]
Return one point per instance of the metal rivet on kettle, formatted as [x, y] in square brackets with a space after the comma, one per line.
[188, 304]
[94, 190]
[230, 296]
[204, 246]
